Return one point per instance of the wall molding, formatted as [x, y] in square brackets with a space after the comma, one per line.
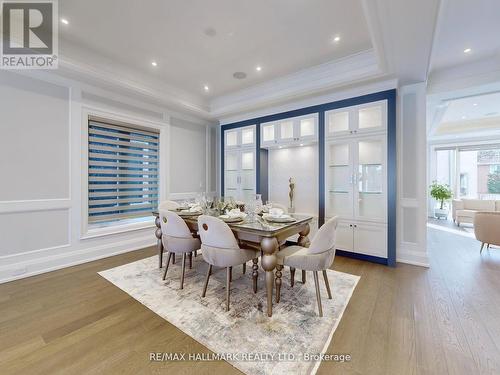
[33, 205]
[23, 267]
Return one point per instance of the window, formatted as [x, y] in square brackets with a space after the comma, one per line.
[123, 171]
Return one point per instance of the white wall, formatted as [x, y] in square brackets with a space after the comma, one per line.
[412, 176]
[188, 153]
[42, 212]
[301, 163]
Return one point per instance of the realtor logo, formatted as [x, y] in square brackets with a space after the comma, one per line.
[29, 35]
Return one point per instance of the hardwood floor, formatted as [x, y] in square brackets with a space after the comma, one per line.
[403, 320]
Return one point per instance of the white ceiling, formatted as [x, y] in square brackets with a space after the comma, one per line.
[200, 42]
[466, 24]
[282, 36]
[472, 107]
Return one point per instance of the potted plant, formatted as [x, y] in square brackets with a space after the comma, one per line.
[441, 193]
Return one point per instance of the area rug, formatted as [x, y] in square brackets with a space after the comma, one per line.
[289, 342]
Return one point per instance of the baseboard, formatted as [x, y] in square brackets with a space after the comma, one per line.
[412, 255]
[52, 262]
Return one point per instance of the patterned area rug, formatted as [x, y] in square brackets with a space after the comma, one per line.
[244, 335]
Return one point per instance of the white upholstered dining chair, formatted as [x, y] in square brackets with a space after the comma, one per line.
[220, 248]
[177, 239]
[318, 256]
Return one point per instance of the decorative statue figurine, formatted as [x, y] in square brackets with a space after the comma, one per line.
[290, 194]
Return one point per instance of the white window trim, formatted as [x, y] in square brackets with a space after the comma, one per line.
[93, 231]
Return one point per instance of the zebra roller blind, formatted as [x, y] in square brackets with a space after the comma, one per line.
[123, 171]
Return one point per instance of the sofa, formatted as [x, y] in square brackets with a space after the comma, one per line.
[464, 210]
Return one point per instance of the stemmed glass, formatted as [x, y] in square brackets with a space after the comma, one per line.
[269, 205]
[209, 200]
[250, 207]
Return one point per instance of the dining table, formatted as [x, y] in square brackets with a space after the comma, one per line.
[256, 233]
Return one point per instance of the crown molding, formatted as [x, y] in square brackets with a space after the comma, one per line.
[118, 80]
[345, 92]
[354, 68]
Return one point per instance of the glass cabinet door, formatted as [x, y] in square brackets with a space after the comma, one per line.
[307, 128]
[231, 174]
[372, 116]
[371, 179]
[268, 133]
[338, 122]
[286, 132]
[248, 136]
[231, 138]
[248, 174]
[339, 180]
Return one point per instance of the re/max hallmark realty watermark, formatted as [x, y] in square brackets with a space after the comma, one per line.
[248, 357]
[29, 31]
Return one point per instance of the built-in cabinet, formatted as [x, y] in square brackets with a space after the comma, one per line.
[289, 131]
[356, 177]
[356, 144]
[240, 163]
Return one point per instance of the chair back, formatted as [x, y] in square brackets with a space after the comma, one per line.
[486, 227]
[324, 240]
[215, 233]
[173, 225]
[168, 205]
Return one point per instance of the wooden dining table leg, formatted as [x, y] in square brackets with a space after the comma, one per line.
[269, 246]
[279, 267]
[304, 242]
[159, 244]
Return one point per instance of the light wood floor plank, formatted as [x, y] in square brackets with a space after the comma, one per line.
[403, 320]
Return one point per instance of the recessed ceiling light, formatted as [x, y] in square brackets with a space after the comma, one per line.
[467, 50]
[464, 117]
[65, 21]
[154, 63]
[474, 104]
[206, 88]
[258, 68]
[302, 144]
[336, 39]
[280, 147]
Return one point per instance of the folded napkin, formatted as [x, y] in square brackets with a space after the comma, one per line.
[235, 212]
[195, 208]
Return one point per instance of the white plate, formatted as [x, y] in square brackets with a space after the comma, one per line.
[189, 213]
[229, 219]
[279, 219]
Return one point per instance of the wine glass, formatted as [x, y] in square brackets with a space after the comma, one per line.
[269, 205]
[209, 200]
[250, 207]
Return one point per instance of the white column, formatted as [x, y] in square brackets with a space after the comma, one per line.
[412, 176]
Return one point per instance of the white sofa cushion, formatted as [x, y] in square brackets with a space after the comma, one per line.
[466, 213]
[479, 205]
